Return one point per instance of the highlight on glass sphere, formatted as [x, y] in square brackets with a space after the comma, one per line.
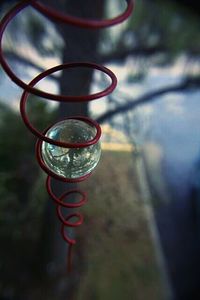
[71, 162]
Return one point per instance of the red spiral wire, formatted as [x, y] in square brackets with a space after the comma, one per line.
[30, 89]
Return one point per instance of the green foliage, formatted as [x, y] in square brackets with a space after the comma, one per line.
[166, 24]
[22, 193]
[158, 25]
[19, 171]
[134, 78]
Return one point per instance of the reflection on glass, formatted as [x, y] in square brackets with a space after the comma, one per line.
[71, 162]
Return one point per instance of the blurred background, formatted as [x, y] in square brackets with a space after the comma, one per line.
[140, 237]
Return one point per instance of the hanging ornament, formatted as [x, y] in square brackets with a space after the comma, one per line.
[70, 149]
[71, 162]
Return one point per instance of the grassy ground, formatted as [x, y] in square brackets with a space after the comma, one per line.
[116, 245]
[114, 251]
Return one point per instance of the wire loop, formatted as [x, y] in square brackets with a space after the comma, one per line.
[61, 204]
[84, 23]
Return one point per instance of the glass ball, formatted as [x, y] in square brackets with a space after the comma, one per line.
[71, 162]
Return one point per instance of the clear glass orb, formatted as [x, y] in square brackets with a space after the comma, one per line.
[71, 162]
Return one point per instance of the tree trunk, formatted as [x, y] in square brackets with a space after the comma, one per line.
[81, 44]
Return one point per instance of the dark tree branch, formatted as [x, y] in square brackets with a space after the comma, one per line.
[121, 54]
[189, 83]
[117, 55]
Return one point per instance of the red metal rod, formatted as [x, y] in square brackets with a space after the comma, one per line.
[29, 88]
[84, 23]
[42, 136]
[60, 200]
[41, 76]
[69, 258]
[65, 220]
